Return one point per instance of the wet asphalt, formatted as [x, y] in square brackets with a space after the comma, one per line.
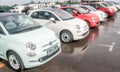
[99, 52]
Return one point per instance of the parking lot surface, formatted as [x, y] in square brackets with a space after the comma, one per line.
[99, 52]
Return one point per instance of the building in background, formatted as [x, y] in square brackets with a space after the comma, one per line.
[91, 0]
[100, 0]
[31, 6]
[74, 0]
[39, 5]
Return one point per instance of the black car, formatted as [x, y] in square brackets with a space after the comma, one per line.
[1, 11]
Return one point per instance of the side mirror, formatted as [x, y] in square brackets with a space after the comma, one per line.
[97, 8]
[75, 13]
[53, 20]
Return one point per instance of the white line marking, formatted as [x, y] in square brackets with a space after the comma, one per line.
[118, 32]
[109, 46]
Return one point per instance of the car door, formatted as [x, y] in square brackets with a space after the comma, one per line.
[43, 17]
[2, 42]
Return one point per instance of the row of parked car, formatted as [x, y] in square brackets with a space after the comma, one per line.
[27, 42]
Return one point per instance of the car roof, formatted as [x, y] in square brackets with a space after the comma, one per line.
[45, 9]
[92, 2]
[8, 14]
[85, 5]
[51, 9]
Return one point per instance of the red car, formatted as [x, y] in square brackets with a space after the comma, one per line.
[102, 7]
[81, 13]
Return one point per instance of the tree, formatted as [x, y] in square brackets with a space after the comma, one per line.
[32, 2]
[15, 5]
[39, 2]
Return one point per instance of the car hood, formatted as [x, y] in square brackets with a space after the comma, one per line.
[96, 12]
[99, 13]
[90, 15]
[75, 21]
[112, 7]
[36, 36]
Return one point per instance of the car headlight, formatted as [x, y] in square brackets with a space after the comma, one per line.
[77, 27]
[31, 46]
[110, 9]
[93, 19]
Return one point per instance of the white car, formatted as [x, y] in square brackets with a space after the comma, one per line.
[101, 15]
[115, 4]
[66, 27]
[25, 43]
[17, 9]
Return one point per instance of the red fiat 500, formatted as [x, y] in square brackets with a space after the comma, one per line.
[81, 13]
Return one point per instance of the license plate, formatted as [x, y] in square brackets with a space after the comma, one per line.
[52, 50]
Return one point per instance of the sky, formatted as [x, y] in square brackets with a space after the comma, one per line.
[20, 2]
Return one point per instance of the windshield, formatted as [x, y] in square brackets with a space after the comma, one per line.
[105, 4]
[82, 10]
[18, 23]
[63, 14]
[115, 3]
[111, 3]
[102, 5]
[92, 8]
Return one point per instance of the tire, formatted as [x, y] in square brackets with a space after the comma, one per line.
[15, 61]
[66, 36]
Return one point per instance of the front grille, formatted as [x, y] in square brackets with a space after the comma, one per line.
[85, 28]
[84, 33]
[51, 42]
[48, 56]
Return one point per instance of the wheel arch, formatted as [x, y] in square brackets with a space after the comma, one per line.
[88, 23]
[7, 52]
[64, 30]
[68, 31]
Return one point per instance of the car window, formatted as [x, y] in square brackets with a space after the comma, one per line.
[69, 10]
[36, 15]
[43, 15]
[86, 8]
[82, 10]
[63, 14]
[94, 5]
[101, 5]
[48, 15]
[1, 31]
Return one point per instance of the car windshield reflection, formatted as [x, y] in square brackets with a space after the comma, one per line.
[18, 23]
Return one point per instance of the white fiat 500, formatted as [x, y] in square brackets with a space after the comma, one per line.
[101, 15]
[66, 27]
[24, 43]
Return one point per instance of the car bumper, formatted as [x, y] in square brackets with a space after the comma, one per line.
[93, 24]
[37, 61]
[81, 35]
[103, 19]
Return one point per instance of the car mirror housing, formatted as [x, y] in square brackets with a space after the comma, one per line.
[53, 20]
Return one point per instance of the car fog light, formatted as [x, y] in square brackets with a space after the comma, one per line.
[78, 31]
[31, 54]
[41, 60]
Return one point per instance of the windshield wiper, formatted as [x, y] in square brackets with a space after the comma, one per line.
[69, 18]
[27, 29]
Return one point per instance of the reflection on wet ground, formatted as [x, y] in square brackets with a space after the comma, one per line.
[71, 48]
[94, 33]
[99, 52]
